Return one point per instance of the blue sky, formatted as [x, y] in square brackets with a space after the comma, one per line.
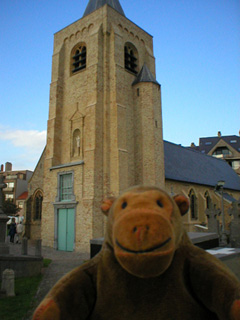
[197, 51]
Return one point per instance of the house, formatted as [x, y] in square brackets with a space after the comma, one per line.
[16, 181]
[223, 147]
[21, 203]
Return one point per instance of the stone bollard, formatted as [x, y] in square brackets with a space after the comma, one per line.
[38, 248]
[24, 246]
[8, 284]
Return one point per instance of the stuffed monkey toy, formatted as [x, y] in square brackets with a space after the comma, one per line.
[147, 269]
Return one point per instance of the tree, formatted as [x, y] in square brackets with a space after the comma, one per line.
[10, 208]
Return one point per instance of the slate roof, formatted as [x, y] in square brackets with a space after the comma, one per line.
[96, 4]
[188, 165]
[208, 143]
[226, 196]
[145, 75]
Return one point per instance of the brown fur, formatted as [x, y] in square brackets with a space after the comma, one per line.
[147, 269]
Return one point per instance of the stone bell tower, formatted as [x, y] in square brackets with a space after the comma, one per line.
[105, 122]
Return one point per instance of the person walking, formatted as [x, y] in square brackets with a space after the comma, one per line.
[19, 232]
[12, 230]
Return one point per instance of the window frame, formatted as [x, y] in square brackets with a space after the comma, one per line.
[224, 151]
[235, 164]
[10, 184]
[78, 58]
[70, 195]
[9, 196]
[208, 199]
[37, 205]
[193, 205]
[130, 58]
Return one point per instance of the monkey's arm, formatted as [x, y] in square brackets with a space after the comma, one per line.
[73, 297]
[214, 285]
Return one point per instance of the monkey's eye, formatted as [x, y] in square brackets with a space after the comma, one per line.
[159, 203]
[124, 205]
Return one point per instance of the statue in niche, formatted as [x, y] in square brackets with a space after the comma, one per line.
[76, 143]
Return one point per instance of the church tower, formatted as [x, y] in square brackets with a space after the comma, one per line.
[105, 123]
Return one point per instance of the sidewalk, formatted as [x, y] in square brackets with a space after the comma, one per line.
[62, 263]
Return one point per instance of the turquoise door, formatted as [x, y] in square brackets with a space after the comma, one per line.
[65, 229]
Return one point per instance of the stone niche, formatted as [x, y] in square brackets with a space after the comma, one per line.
[76, 136]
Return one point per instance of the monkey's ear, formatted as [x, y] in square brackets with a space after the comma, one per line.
[107, 204]
[182, 203]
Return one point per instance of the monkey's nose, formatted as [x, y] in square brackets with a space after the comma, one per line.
[140, 232]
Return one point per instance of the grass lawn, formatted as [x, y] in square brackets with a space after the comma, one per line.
[16, 308]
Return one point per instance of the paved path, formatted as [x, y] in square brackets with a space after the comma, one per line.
[62, 263]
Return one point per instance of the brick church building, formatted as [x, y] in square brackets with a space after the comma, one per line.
[105, 133]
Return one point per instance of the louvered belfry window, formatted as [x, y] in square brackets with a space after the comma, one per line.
[130, 58]
[79, 59]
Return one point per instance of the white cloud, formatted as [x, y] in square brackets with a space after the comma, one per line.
[21, 147]
[32, 139]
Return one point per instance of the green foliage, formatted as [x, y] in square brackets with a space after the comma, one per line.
[10, 208]
[46, 262]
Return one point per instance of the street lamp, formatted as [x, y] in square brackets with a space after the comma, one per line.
[219, 187]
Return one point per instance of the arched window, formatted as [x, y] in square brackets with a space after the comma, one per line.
[208, 199]
[38, 198]
[193, 204]
[29, 209]
[78, 58]
[131, 60]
